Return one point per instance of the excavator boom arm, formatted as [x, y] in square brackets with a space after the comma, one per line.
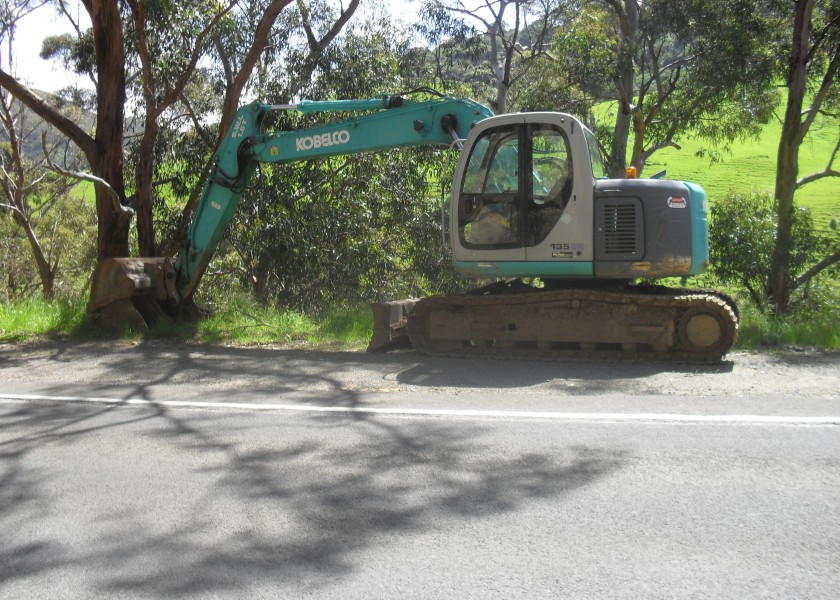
[396, 123]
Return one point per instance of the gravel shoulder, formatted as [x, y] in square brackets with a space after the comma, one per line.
[789, 382]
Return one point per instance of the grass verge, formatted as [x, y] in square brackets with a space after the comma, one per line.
[761, 331]
[244, 323]
[39, 318]
[239, 322]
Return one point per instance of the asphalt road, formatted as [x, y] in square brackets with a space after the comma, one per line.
[158, 471]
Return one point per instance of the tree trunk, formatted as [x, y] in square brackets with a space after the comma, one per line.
[787, 162]
[114, 223]
[145, 193]
[639, 129]
[629, 23]
[498, 56]
[45, 271]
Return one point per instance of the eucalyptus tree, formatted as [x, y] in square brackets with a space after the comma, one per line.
[518, 33]
[28, 192]
[143, 55]
[810, 60]
[672, 69]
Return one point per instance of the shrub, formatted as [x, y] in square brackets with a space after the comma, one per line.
[742, 240]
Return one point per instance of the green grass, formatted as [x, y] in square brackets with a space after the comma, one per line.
[39, 318]
[760, 331]
[751, 163]
[245, 322]
[241, 322]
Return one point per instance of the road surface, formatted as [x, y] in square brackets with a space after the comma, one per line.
[168, 471]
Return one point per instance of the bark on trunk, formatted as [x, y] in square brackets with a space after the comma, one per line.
[145, 193]
[114, 224]
[45, 271]
[629, 22]
[787, 162]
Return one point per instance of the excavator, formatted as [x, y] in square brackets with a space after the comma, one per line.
[531, 210]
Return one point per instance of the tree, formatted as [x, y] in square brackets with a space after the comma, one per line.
[742, 236]
[26, 189]
[810, 72]
[368, 224]
[673, 69]
[150, 51]
[519, 33]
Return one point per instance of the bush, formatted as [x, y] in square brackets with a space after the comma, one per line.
[67, 234]
[742, 240]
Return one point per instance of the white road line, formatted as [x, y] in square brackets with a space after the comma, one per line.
[435, 412]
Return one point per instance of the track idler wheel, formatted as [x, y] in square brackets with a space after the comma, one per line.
[708, 328]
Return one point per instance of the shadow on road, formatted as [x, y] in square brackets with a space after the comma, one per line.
[277, 371]
[250, 502]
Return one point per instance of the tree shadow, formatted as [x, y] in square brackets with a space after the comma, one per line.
[266, 502]
[276, 372]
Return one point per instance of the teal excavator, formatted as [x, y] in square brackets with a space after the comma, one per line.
[531, 210]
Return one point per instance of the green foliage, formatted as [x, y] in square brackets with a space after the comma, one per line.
[586, 51]
[453, 58]
[341, 230]
[77, 54]
[66, 229]
[743, 235]
[347, 229]
[680, 68]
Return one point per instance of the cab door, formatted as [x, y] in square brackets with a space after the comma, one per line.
[549, 184]
[488, 210]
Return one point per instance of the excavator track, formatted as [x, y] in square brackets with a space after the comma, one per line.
[657, 323]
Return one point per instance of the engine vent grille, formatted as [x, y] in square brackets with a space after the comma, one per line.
[619, 229]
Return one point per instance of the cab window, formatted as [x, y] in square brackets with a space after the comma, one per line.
[488, 210]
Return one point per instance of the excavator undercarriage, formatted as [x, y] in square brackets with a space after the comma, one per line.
[631, 322]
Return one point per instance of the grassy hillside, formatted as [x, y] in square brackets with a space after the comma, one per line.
[752, 164]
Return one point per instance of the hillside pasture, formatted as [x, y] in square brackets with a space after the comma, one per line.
[751, 164]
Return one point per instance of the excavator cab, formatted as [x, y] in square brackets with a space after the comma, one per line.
[518, 198]
[530, 198]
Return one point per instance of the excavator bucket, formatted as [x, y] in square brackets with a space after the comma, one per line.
[132, 292]
[389, 320]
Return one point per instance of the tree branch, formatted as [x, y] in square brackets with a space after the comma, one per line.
[827, 172]
[816, 177]
[311, 40]
[316, 46]
[816, 269]
[118, 206]
[820, 96]
[197, 125]
[50, 114]
[196, 54]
